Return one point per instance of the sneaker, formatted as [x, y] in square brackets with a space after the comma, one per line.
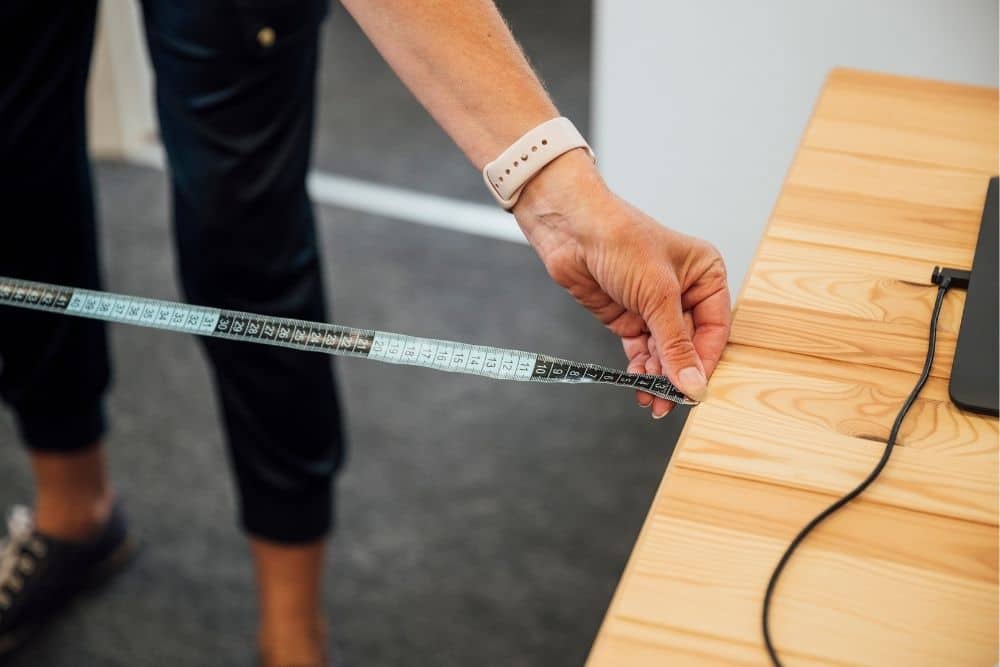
[39, 574]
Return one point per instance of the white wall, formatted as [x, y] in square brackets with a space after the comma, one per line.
[699, 105]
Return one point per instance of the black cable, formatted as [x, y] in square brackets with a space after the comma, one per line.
[944, 281]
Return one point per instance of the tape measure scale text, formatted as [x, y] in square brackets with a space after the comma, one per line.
[448, 356]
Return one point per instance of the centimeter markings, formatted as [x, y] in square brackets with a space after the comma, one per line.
[493, 362]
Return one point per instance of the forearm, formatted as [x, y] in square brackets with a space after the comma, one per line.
[663, 293]
[462, 63]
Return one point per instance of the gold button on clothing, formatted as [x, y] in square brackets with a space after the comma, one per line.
[265, 37]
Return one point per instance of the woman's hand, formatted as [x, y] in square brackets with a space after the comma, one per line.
[663, 293]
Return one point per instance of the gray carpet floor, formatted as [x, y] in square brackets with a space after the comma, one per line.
[479, 522]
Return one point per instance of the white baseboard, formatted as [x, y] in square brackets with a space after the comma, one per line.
[388, 201]
[414, 206]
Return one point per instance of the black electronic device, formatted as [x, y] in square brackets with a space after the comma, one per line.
[974, 374]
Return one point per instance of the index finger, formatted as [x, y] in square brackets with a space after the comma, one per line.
[712, 318]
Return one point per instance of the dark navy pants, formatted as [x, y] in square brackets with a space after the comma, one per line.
[235, 106]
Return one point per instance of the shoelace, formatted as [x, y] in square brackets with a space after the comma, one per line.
[15, 559]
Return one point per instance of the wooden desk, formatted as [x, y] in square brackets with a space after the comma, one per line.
[829, 335]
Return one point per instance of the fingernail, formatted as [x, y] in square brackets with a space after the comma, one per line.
[693, 383]
[661, 415]
[645, 405]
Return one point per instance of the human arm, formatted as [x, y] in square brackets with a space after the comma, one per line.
[663, 293]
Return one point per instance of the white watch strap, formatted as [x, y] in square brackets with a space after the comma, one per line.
[508, 174]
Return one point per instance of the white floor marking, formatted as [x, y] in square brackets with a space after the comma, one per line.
[414, 206]
[391, 202]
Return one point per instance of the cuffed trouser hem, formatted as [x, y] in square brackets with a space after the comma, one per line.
[62, 431]
[288, 520]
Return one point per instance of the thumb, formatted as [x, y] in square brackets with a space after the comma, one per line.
[678, 357]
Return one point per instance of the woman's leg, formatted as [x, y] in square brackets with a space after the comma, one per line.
[236, 113]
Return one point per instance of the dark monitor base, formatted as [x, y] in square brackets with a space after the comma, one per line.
[974, 374]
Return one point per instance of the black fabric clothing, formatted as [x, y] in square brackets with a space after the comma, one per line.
[235, 107]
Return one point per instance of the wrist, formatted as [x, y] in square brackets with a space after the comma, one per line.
[565, 188]
[564, 207]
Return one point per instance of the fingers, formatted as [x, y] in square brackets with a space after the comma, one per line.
[661, 406]
[635, 345]
[712, 318]
[628, 324]
[676, 352]
[637, 351]
[683, 345]
[638, 365]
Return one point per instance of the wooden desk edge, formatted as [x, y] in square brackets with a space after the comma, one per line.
[832, 77]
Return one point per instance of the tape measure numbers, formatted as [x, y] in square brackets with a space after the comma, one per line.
[453, 357]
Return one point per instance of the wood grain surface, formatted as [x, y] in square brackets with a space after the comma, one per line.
[829, 334]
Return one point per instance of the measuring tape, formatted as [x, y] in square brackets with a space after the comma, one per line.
[443, 355]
